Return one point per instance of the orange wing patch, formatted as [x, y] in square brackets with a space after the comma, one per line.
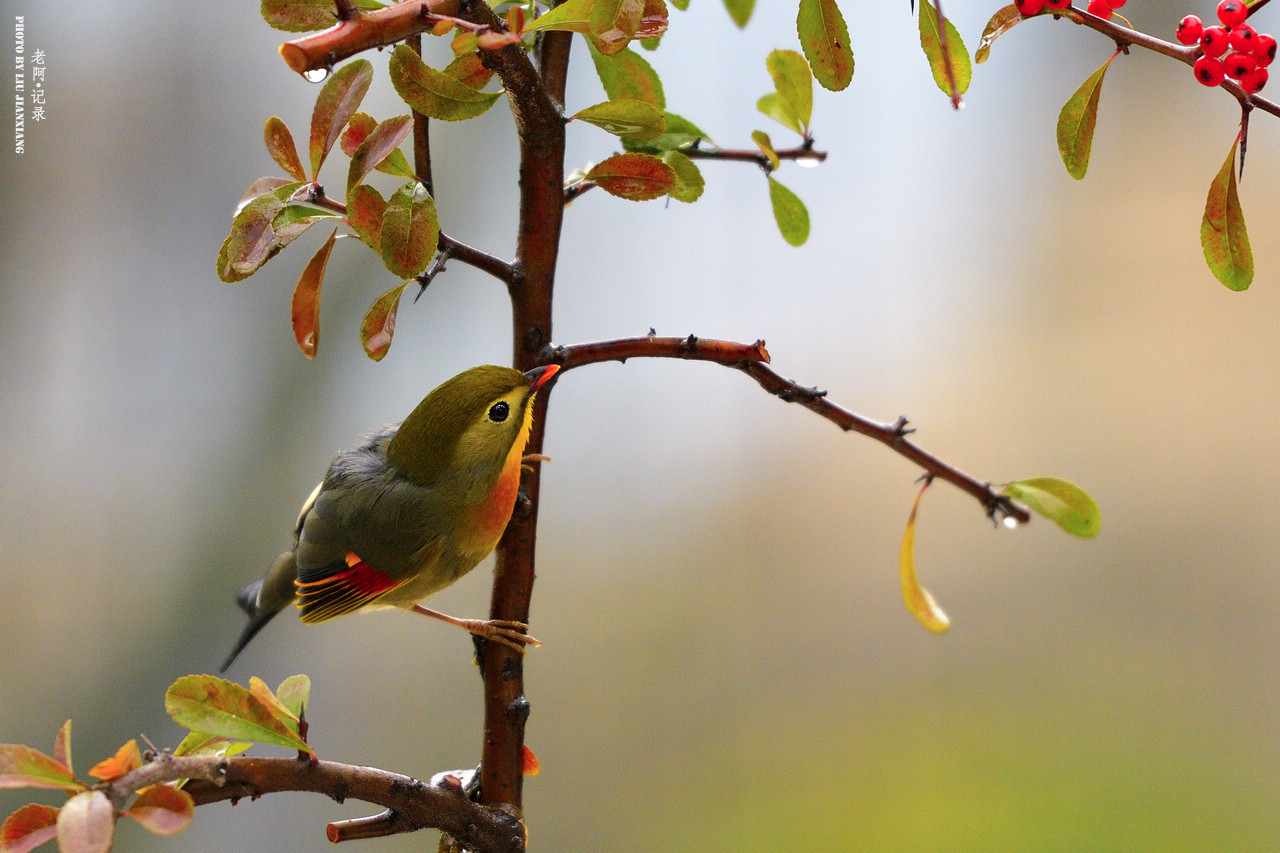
[342, 592]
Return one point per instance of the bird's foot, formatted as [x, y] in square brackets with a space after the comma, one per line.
[506, 632]
[526, 461]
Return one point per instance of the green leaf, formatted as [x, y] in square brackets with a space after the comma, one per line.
[300, 16]
[305, 310]
[377, 146]
[955, 56]
[1222, 232]
[24, 767]
[794, 83]
[825, 41]
[918, 600]
[261, 187]
[1001, 22]
[682, 5]
[1077, 120]
[252, 241]
[613, 23]
[295, 693]
[206, 703]
[410, 230]
[740, 11]
[28, 827]
[761, 139]
[203, 743]
[337, 102]
[162, 809]
[789, 211]
[634, 121]
[1066, 504]
[689, 183]
[468, 70]
[380, 322]
[572, 15]
[293, 219]
[434, 93]
[627, 75]
[282, 149]
[776, 107]
[638, 177]
[86, 824]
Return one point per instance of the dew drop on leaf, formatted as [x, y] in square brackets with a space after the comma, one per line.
[315, 75]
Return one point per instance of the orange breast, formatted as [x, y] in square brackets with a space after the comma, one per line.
[482, 525]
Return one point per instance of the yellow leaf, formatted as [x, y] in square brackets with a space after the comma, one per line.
[917, 598]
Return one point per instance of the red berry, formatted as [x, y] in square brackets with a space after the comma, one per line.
[1243, 38]
[1264, 50]
[1254, 80]
[1099, 8]
[1027, 8]
[1115, 4]
[1214, 41]
[1189, 29]
[1232, 13]
[1209, 71]
[1057, 4]
[1239, 64]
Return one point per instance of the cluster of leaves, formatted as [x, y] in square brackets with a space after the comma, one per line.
[1223, 236]
[223, 718]
[1064, 503]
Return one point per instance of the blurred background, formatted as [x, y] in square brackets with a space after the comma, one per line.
[727, 662]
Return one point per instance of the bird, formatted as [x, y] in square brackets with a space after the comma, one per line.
[415, 507]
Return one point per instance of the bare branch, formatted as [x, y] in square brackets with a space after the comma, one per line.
[363, 31]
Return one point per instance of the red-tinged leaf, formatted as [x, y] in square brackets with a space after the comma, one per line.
[1064, 503]
[162, 809]
[410, 231]
[295, 693]
[948, 58]
[653, 20]
[1077, 120]
[613, 23]
[789, 212]
[825, 41]
[468, 70]
[918, 600]
[1222, 232]
[206, 703]
[262, 186]
[529, 764]
[62, 746]
[689, 183]
[126, 760]
[434, 93]
[638, 177]
[442, 28]
[24, 767]
[338, 101]
[494, 40]
[28, 828]
[281, 148]
[515, 19]
[365, 209]
[380, 323]
[253, 241]
[300, 16]
[378, 145]
[634, 121]
[359, 126]
[1001, 22]
[627, 75]
[794, 84]
[305, 310]
[86, 824]
[762, 141]
[572, 15]
[740, 10]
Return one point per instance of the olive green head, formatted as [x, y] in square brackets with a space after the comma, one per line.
[466, 425]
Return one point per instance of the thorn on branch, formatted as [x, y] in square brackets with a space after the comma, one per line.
[346, 10]
[901, 430]
[689, 345]
[801, 394]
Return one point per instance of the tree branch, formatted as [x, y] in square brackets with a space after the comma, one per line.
[361, 32]
[416, 805]
[752, 360]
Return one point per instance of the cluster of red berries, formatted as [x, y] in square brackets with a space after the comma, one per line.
[1250, 51]
[1101, 8]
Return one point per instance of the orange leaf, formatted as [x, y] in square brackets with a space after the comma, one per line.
[918, 599]
[281, 148]
[637, 177]
[163, 809]
[529, 764]
[306, 299]
[126, 759]
[380, 322]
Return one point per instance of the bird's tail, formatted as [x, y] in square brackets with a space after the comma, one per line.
[263, 599]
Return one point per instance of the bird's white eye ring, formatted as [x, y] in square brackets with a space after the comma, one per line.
[498, 412]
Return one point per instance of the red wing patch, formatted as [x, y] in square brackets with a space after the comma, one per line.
[342, 592]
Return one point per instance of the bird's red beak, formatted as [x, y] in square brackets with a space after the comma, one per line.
[539, 376]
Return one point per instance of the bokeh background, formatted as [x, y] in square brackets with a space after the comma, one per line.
[727, 661]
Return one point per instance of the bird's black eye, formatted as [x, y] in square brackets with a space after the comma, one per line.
[498, 412]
